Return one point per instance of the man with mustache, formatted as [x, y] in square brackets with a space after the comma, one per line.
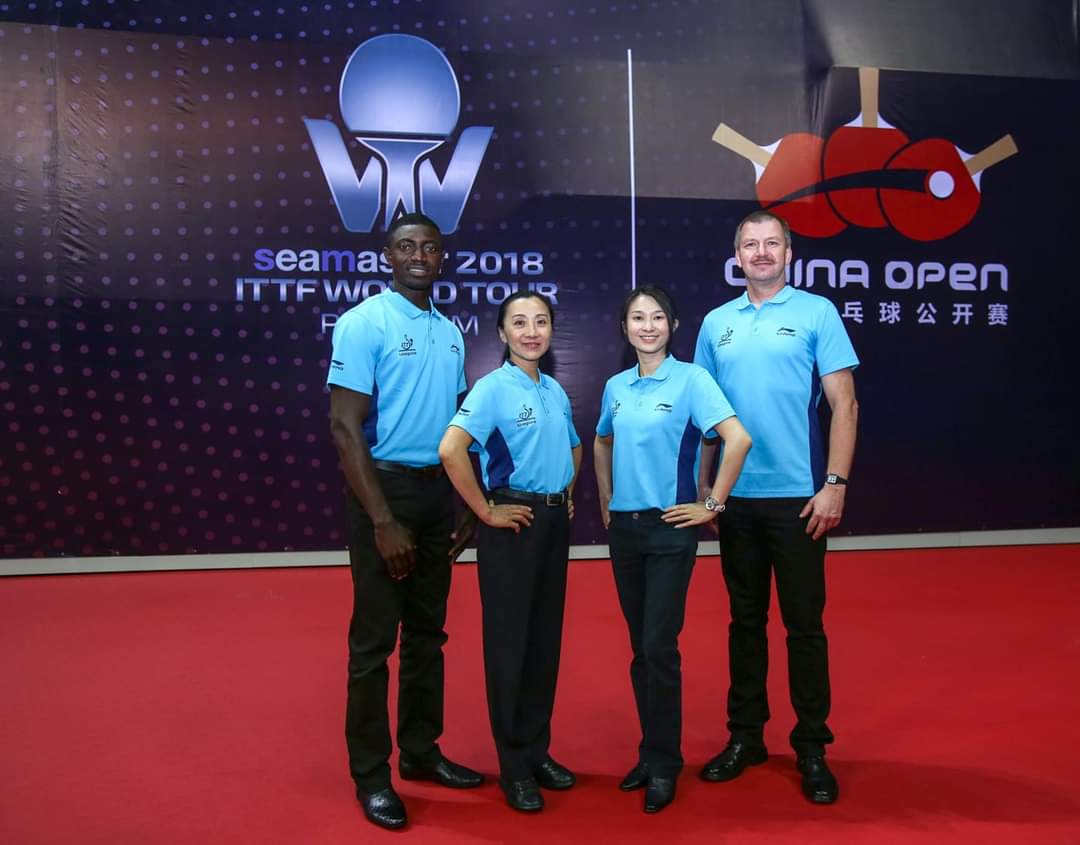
[774, 351]
[396, 375]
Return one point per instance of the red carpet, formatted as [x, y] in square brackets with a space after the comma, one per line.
[206, 707]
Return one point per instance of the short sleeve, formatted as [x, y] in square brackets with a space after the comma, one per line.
[357, 345]
[708, 404]
[604, 424]
[833, 350]
[477, 413]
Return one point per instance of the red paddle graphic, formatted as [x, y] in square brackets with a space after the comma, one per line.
[869, 175]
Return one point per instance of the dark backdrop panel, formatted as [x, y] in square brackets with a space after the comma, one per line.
[151, 403]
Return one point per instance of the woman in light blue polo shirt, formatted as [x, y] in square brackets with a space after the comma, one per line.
[520, 421]
[652, 417]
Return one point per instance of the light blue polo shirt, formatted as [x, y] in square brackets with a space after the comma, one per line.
[525, 430]
[769, 361]
[412, 364]
[657, 422]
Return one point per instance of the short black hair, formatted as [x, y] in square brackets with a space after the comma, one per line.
[663, 299]
[522, 294]
[413, 218]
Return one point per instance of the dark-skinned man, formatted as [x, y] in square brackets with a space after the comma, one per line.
[396, 375]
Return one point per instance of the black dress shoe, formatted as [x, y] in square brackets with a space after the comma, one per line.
[818, 783]
[729, 763]
[442, 771]
[552, 775]
[659, 792]
[383, 807]
[635, 778]
[523, 795]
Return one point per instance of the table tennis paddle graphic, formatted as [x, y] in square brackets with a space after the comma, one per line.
[868, 174]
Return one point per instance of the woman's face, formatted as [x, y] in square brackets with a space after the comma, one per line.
[647, 327]
[526, 329]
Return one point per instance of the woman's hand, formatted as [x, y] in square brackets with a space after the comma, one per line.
[507, 516]
[688, 515]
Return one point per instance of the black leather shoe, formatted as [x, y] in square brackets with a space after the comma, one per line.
[552, 775]
[523, 795]
[659, 792]
[818, 783]
[635, 778]
[442, 771]
[729, 763]
[383, 807]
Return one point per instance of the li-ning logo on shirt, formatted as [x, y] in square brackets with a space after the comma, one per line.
[337, 365]
[663, 406]
[526, 417]
[725, 338]
[400, 99]
[406, 347]
[784, 331]
[615, 409]
[454, 348]
[463, 411]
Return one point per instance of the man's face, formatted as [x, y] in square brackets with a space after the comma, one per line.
[762, 254]
[415, 256]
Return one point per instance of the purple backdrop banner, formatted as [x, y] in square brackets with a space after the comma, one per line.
[193, 197]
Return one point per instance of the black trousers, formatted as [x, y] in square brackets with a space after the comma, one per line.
[416, 604]
[759, 537]
[653, 563]
[523, 594]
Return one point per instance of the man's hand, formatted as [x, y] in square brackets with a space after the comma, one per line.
[824, 509]
[605, 513]
[395, 544]
[462, 533]
[569, 507]
[704, 491]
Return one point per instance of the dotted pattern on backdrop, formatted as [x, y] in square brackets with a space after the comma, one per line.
[145, 410]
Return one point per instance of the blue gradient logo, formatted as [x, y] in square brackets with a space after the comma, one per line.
[400, 99]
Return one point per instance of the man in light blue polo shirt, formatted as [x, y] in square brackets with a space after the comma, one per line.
[774, 351]
[396, 372]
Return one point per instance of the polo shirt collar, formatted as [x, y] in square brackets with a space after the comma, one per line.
[661, 373]
[516, 372]
[406, 307]
[782, 296]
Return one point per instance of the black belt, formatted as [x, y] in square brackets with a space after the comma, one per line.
[552, 500]
[435, 471]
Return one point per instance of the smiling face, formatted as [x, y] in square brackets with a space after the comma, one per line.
[647, 326]
[526, 329]
[415, 257]
[763, 253]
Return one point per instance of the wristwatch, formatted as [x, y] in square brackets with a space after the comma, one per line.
[833, 478]
[712, 505]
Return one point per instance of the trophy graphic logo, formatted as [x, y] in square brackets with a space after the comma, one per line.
[400, 99]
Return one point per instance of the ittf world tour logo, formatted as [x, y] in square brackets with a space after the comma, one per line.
[868, 174]
[400, 99]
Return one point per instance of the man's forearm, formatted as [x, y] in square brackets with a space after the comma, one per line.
[359, 470]
[842, 432]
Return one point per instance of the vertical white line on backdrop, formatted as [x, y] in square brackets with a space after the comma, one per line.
[633, 186]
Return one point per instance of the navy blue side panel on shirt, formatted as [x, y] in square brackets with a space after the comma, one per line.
[688, 448]
[371, 424]
[500, 465]
[817, 450]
